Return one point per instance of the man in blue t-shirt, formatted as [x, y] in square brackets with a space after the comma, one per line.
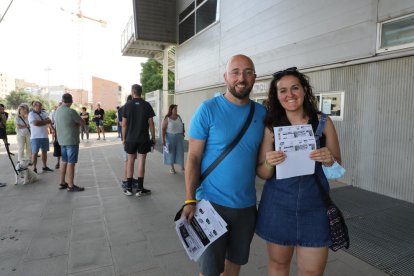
[230, 187]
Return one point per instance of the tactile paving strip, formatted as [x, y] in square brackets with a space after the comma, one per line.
[381, 229]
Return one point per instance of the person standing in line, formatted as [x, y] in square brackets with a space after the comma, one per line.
[124, 153]
[39, 126]
[137, 122]
[292, 213]
[173, 139]
[99, 120]
[68, 123]
[56, 146]
[3, 127]
[118, 121]
[23, 133]
[230, 187]
[85, 128]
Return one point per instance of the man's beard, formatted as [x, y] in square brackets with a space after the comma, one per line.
[242, 94]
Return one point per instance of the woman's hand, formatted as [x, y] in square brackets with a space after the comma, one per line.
[274, 158]
[322, 155]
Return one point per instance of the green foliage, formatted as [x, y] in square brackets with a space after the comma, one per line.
[17, 97]
[10, 126]
[109, 121]
[151, 76]
[3, 101]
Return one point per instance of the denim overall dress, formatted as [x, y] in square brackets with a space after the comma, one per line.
[292, 211]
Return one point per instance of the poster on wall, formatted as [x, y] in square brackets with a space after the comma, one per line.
[326, 106]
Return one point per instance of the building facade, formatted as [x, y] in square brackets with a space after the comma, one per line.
[7, 85]
[106, 93]
[358, 54]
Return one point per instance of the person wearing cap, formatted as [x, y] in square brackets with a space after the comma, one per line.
[68, 123]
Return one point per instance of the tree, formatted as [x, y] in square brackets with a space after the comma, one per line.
[17, 97]
[151, 76]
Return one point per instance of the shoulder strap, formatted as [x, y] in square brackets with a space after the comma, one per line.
[230, 147]
[319, 130]
[318, 134]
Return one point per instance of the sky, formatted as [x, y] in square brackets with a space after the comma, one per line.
[38, 34]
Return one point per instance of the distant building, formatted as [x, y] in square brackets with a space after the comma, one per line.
[7, 85]
[105, 92]
[80, 96]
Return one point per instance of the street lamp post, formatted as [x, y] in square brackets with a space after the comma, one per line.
[48, 69]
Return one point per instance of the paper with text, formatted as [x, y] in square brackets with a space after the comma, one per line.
[296, 142]
[206, 227]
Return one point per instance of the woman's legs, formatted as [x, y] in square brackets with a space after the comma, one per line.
[279, 259]
[28, 147]
[20, 147]
[311, 261]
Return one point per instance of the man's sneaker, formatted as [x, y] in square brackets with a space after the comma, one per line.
[99, 138]
[47, 169]
[143, 192]
[124, 184]
[104, 138]
[75, 188]
[128, 192]
[35, 170]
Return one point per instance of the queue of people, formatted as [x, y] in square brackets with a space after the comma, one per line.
[291, 216]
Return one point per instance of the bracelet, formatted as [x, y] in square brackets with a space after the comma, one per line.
[190, 201]
[267, 165]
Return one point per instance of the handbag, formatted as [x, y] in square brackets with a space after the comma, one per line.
[337, 226]
[334, 171]
[225, 152]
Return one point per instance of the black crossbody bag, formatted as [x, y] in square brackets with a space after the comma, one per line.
[337, 227]
[226, 151]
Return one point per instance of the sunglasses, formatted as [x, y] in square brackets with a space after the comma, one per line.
[282, 72]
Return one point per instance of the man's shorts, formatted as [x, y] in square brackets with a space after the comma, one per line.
[99, 123]
[57, 152]
[39, 143]
[234, 245]
[3, 134]
[70, 154]
[134, 147]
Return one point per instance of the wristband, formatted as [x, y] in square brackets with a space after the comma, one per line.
[267, 165]
[190, 201]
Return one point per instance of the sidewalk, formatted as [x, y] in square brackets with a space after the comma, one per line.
[46, 231]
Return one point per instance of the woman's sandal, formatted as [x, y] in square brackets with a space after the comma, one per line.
[63, 186]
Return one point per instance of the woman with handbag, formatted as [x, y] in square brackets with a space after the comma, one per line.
[173, 139]
[23, 133]
[292, 212]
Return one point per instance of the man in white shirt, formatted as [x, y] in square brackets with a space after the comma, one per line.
[39, 124]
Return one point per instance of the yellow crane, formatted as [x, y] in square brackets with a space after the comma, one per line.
[80, 15]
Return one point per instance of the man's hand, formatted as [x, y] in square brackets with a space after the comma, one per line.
[188, 212]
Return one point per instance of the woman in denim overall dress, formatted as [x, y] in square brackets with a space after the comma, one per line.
[292, 214]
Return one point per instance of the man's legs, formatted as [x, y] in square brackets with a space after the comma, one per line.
[44, 158]
[141, 173]
[129, 173]
[103, 131]
[63, 174]
[98, 129]
[70, 172]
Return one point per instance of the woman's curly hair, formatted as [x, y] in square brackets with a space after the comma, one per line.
[276, 115]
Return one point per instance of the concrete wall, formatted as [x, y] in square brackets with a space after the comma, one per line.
[334, 42]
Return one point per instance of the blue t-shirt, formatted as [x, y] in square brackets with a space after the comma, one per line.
[232, 182]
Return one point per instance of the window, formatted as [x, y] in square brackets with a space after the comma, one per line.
[332, 104]
[196, 17]
[397, 33]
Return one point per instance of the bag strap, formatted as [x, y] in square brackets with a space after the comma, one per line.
[318, 134]
[230, 147]
[320, 128]
[21, 118]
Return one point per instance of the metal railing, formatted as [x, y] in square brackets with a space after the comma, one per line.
[128, 34]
